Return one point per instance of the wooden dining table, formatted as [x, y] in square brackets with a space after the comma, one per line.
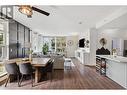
[37, 63]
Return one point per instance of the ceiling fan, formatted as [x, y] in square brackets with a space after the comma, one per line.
[28, 10]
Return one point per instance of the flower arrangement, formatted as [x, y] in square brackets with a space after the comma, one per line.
[114, 52]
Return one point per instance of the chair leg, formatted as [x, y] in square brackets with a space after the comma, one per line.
[51, 76]
[21, 80]
[18, 80]
[7, 80]
[32, 80]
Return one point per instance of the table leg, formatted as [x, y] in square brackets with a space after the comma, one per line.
[37, 75]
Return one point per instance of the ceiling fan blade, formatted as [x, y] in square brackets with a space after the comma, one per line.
[40, 11]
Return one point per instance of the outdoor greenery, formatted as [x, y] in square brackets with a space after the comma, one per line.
[1, 38]
[45, 48]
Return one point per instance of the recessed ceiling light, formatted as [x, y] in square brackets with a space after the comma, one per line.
[80, 22]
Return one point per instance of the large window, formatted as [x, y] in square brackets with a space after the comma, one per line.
[50, 41]
[55, 44]
[2, 47]
[1, 38]
[1, 53]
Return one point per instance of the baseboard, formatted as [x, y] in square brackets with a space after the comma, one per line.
[90, 65]
[58, 69]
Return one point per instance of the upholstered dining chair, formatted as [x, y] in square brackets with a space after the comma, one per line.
[26, 69]
[12, 69]
[49, 68]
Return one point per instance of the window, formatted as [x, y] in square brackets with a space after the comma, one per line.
[1, 52]
[55, 44]
[50, 41]
[2, 70]
[1, 39]
[2, 46]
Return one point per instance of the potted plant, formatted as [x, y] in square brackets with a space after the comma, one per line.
[45, 48]
[114, 52]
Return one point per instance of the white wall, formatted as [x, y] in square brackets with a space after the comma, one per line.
[40, 43]
[110, 34]
[93, 42]
[85, 34]
[35, 41]
[91, 35]
[71, 49]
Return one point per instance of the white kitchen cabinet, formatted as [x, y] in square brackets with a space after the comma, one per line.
[116, 69]
[83, 56]
[117, 72]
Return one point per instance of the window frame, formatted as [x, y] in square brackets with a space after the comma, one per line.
[3, 38]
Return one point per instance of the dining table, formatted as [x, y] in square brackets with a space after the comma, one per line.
[37, 63]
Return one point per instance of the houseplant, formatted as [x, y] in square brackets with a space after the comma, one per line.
[45, 48]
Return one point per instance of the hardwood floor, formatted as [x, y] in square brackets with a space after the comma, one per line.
[79, 77]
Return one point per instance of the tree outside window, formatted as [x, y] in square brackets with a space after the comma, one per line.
[1, 38]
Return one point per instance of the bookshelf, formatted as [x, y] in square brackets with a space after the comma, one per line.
[60, 45]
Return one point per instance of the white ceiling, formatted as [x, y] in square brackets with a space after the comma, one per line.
[119, 23]
[64, 20]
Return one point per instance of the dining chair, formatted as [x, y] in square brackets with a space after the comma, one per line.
[26, 69]
[49, 68]
[12, 69]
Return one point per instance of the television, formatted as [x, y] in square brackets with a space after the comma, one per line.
[81, 43]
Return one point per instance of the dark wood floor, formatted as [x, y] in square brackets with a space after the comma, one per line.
[79, 77]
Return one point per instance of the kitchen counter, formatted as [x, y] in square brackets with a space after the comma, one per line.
[116, 68]
[117, 58]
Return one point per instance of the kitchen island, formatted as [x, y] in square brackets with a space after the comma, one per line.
[116, 68]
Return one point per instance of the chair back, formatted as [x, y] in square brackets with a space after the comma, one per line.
[25, 68]
[49, 66]
[12, 68]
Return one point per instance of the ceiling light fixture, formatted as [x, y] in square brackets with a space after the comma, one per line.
[26, 9]
[80, 22]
